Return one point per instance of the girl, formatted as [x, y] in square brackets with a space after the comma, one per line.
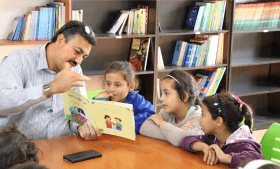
[120, 83]
[225, 140]
[15, 147]
[179, 116]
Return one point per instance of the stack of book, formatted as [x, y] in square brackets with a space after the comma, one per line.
[257, 15]
[208, 80]
[39, 24]
[134, 21]
[204, 50]
[206, 16]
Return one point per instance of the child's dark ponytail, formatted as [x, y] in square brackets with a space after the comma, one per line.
[248, 115]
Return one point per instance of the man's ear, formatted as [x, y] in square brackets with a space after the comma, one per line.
[131, 86]
[60, 39]
[186, 97]
[219, 121]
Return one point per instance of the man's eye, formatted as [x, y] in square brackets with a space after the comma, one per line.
[78, 52]
[107, 84]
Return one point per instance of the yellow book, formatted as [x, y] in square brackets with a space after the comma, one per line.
[110, 117]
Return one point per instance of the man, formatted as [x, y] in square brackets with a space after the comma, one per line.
[32, 80]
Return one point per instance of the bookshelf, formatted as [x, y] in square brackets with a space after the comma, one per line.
[254, 70]
[250, 56]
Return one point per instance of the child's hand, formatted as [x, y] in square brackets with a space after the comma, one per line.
[209, 155]
[157, 118]
[104, 95]
[189, 124]
[221, 156]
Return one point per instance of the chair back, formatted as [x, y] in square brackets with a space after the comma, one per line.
[271, 143]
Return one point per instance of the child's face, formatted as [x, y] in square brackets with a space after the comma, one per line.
[115, 84]
[169, 97]
[206, 121]
[108, 118]
[117, 120]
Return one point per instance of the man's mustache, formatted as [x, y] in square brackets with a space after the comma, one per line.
[73, 63]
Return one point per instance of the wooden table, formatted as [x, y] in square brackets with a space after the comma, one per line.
[119, 153]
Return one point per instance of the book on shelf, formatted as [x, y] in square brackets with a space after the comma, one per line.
[192, 17]
[110, 117]
[77, 15]
[13, 28]
[210, 75]
[158, 89]
[139, 53]
[160, 59]
[200, 81]
[117, 23]
[257, 15]
[179, 53]
[40, 24]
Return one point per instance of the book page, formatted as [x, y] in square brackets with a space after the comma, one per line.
[76, 107]
[114, 118]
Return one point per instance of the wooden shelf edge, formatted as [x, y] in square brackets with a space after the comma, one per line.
[188, 32]
[5, 42]
[256, 93]
[170, 68]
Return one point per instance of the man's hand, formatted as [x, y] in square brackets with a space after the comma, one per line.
[188, 124]
[157, 118]
[66, 79]
[87, 132]
[104, 94]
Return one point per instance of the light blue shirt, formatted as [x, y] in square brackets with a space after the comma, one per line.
[22, 75]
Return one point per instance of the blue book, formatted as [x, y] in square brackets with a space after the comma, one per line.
[191, 18]
[43, 26]
[195, 55]
[188, 56]
[185, 55]
[176, 54]
[18, 29]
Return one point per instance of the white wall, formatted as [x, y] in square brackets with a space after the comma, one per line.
[9, 9]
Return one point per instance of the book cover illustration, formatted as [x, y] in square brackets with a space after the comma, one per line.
[139, 53]
[110, 117]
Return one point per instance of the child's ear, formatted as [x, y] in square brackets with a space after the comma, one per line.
[186, 97]
[219, 121]
[131, 86]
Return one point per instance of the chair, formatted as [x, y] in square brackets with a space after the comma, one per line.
[93, 93]
[271, 143]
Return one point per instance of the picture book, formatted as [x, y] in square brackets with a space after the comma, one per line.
[110, 117]
[139, 53]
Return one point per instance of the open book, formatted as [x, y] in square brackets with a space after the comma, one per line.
[110, 117]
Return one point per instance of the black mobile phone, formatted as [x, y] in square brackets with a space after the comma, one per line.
[81, 156]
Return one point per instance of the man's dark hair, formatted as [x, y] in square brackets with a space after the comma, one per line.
[15, 147]
[72, 28]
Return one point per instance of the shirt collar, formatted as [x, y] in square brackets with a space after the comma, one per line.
[42, 61]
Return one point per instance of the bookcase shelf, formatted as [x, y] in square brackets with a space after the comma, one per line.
[188, 32]
[257, 30]
[5, 42]
[113, 36]
[170, 68]
[251, 57]
[255, 70]
[100, 72]
[251, 61]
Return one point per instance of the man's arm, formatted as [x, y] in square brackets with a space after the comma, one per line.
[16, 98]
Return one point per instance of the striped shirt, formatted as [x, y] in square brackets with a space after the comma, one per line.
[22, 75]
